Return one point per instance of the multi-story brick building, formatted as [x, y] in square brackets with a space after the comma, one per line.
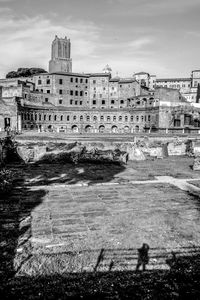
[64, 101]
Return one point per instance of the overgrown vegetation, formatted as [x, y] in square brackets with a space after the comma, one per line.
[6, 180]
[25, 72]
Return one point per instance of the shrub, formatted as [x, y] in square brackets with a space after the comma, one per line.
[6, 180]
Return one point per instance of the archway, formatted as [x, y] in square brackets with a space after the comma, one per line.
[114, 129]
[126, 129]
[137, 128]
[88, 128]
[74, 128]
[50, 128]
[101, 128]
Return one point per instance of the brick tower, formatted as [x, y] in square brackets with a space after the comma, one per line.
[60, 56]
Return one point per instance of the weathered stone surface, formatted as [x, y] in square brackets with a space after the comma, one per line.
[196, 164]
[177, 148]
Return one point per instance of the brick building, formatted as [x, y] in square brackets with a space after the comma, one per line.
[63, 101]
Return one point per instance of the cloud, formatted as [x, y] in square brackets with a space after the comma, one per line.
[27, 41]
[150, 7]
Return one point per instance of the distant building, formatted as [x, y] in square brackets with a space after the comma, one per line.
[60, 56]
[64, 101]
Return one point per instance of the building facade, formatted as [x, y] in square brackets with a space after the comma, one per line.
[63, 101]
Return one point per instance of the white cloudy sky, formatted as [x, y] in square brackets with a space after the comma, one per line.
[158, 36]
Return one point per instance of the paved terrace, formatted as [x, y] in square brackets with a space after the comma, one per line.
[67, 216]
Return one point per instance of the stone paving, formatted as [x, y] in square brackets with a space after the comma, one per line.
[117, 218]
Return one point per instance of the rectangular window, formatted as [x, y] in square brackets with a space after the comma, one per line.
[103, 102]
[67, 118]
[48, 81]
[81, 93]
[76, 80]
[60, 92]
[48, 91]
[94, 102]
[81, 102]
[71, 93]
[94, 81]
[46, 99]
[60, 101]
[71, 102]
[39, 81]
[76, 93]
[81, 80]
[76, 102]
[71, 79]
[60, 81]
[86, 80]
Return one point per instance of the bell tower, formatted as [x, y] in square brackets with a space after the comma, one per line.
[60, 56]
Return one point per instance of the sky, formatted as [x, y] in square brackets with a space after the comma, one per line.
[161, 37]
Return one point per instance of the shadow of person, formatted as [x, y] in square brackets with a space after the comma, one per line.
[143, 257]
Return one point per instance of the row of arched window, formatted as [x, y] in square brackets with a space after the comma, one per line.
[102, 118]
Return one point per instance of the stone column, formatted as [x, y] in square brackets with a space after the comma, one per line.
[19, 123]
[166, 130]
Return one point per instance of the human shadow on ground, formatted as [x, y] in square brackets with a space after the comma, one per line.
[181, 281]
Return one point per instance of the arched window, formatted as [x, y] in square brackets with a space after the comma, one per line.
[102, 118]
[35, 117]
[114, 118]
[126, 118]
[120, 118]
[49, 117]
[142, 118]
[74, 118]
[108, 118]
[40, 117]
[55, 118]
[81, 118]
[31, 117]
[45, 117]
[61, 118]
[95, 118]
[88, 118]
[137, 118]
[67, 118]
[149, 118]
[131, 118]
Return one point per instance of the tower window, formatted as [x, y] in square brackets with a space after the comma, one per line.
[71, 79]
[103, 102]
[39, 81]
[94, 102]
[60, 101]
[60, 92]
[76, 80]
[48, 91]
[71, 93]
[46, 99]
[60, 81]
[76, 93]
